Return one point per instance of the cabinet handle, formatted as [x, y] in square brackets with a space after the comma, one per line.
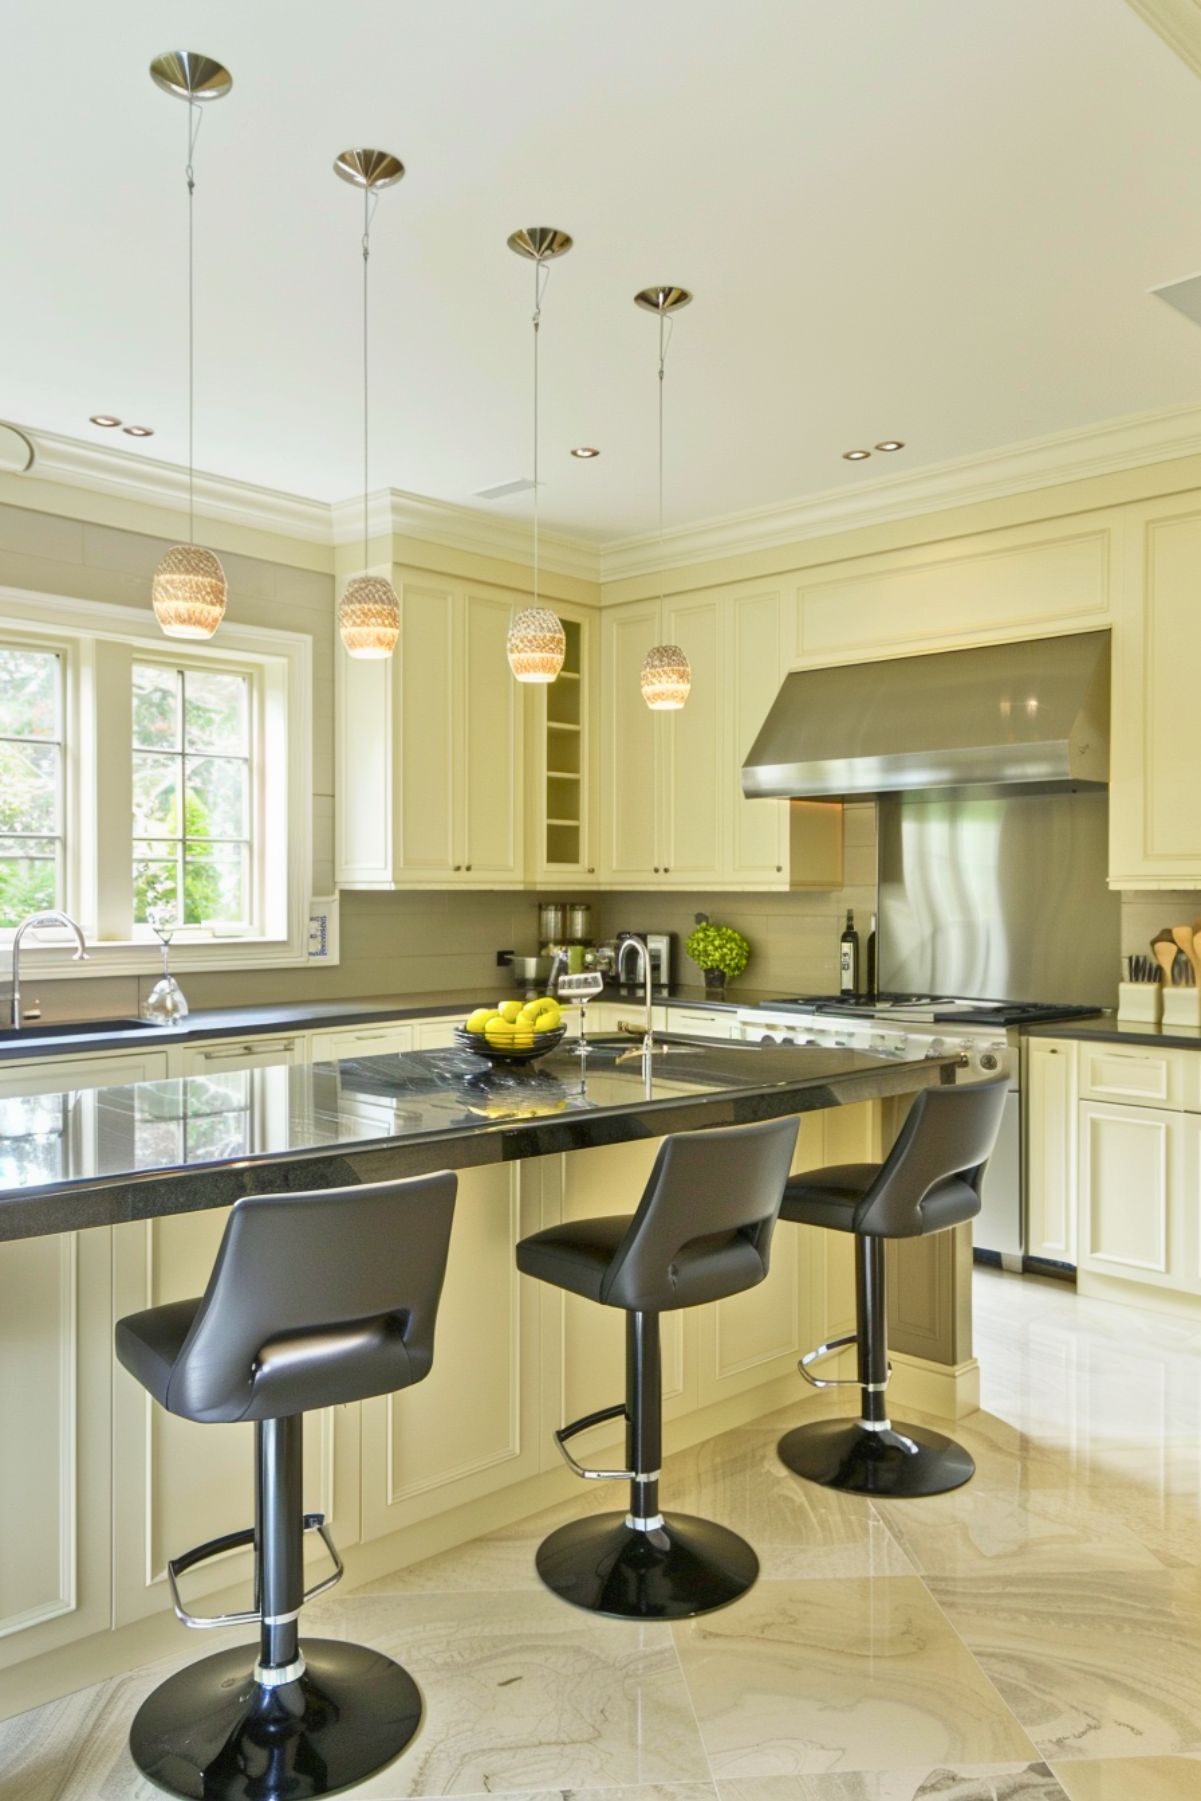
[457, 868]
[467, 867]
[592, 869]
[656, 869]
[246, 1050]
[779, 869]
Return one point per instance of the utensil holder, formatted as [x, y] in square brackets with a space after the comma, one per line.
[1182, 1007]
[1142, 1002]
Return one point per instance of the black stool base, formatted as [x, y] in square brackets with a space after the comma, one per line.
[905, 1460]
[210, 1732]
[685, 1567]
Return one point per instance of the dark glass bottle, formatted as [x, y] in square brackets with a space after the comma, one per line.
[848, 957]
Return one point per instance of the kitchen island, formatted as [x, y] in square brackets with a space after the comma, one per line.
[113, 1199]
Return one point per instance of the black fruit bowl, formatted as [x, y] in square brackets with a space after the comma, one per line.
[497, 1053]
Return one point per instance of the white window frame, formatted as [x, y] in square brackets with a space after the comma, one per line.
[23, 638]
[97, 640]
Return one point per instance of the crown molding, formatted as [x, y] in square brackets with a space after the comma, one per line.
[399, 514]
[152, 482]
[1111, 446]
[1178, 23]
[1106, 448]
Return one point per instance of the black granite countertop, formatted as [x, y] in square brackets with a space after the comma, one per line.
[102, 1156]
[40, 1039]
[1121, 1031]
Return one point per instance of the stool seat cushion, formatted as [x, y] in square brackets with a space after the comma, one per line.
[575, 1255]
[838, 1196]
[149, 1343]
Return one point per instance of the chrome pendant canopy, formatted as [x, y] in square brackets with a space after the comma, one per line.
[664, 299]
[189, 75]
[373, 169]
[540, 243]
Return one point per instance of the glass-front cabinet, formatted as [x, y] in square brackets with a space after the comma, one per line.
[562, 842]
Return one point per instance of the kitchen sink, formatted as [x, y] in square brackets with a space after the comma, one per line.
[70, 1028]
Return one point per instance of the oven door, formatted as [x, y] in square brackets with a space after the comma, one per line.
[998, 1226]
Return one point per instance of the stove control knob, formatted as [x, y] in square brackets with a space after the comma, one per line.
[989, 1060]
[936, 1047]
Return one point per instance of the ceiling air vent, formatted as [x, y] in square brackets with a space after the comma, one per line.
[502, 490]
[1184, 295]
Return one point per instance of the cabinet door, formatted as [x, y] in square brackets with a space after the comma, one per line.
[426, 749]
[491, 746]
[369, 1041]
[757, 843]
[1154, 798]
[691, 1022]
[55, 1510]
[55, 1075]
[630, 762]
[469, 1428]
[1130, 1176]
[695, 751]
[175, 1483]
[434, 1034]
[1049, 1115]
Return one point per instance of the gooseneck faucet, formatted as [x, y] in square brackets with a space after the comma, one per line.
[51, 918]
[642, 949]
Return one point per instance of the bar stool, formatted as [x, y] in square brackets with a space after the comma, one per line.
[314, 1300]
[929, 1182]
[702, 1231]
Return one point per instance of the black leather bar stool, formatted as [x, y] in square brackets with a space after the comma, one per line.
[314, 1300]
[929, 1182]
[702, 1231]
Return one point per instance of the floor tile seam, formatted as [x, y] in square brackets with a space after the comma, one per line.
[1037, 1755]
[691, 1699]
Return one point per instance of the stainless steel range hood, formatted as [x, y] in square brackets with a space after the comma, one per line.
[1029, 715]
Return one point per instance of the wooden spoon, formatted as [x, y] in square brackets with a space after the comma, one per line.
[1164, 949]
[1183, 936]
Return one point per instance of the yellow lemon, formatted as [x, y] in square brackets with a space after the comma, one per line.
[549, 1018]
[523, 1041]
[478, 1019]
[528, 1014]
[498, 1029]
[510, 1011]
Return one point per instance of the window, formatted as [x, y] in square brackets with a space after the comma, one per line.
[193, 839]
[31, 782]
[147, 783]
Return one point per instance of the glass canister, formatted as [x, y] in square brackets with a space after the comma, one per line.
[552, 922]
[579, 922]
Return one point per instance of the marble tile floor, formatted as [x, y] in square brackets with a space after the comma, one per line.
[1035, 1636]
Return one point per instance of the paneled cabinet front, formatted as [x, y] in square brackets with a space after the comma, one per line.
[428, 749]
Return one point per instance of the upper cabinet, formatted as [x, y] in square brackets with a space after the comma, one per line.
[672, 808]
[1154, 795]
[429, 777]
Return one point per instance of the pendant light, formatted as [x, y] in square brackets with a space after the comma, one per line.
[369, 612]
[666, 677]
[537, 643]
[189, 588]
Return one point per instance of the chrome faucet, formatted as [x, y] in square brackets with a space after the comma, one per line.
[51, 918]
[641, 948]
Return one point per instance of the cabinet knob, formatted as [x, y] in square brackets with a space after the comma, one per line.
[667, 869]
[457, 868]
[656, 869]
[779, 869]
[467, 867]
[591, 869]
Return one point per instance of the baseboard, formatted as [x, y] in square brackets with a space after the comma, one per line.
[951, 1390]
[1125, 1293]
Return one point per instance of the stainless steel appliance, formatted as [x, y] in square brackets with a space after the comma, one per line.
[579, 922]
[552, 923]
[659, 945]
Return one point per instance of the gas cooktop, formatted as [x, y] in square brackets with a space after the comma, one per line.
[942, 1009]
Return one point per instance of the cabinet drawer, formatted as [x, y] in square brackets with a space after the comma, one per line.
[692, 1022]
[370, 1041]
[1137, 1076]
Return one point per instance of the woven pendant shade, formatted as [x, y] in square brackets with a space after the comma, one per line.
[536, 645]
[189, 592]
[369, 617]
[666, 678]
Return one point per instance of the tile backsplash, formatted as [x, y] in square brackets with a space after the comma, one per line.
[1145, 914]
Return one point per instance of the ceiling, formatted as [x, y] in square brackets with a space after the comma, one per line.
[927, 220]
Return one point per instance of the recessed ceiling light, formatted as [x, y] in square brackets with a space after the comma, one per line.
[104, 419]
[585, 451]
[892, 444]
[855, 456]
[138, 431]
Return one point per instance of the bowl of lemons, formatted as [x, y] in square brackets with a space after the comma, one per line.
[514, 1031]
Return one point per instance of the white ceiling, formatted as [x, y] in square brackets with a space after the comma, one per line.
[934, 219]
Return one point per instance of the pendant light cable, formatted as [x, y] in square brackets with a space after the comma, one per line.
[541, 277]
[666, 326]
[195, 119]
[370, 202]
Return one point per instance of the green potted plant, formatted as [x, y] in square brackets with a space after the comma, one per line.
[719, 950]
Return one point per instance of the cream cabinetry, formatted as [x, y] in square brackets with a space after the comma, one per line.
[1131, 1193]
[672, 806]
[1154, 798]
[105, 1069]
[428, 749]
[693, 1023]
[367, 1041]
[1049, 1108]
[561, 837]
[226, 1056]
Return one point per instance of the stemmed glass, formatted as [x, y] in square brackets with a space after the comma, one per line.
[166, 1004]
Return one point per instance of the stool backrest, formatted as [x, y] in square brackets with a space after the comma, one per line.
[318, 1299]
[949, 1132]
[704, 1224]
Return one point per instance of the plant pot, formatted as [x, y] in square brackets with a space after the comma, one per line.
[715, 984]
